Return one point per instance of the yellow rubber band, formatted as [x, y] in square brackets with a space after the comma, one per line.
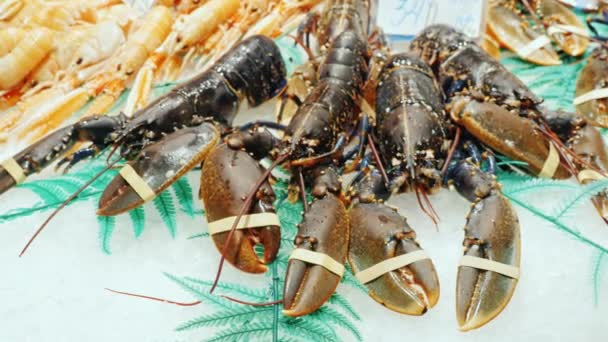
[534, 45]
[490, 265]
[320, 259]
[246, 221]
[587, 174]
[559, 28]
[594, 94]
[389, 265]
[551, 164]
[14, 169]
[137, 183]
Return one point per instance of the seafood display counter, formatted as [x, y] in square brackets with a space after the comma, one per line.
[279, 170]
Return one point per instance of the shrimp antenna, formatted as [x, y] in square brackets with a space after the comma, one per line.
[244, 209]
[66, 202]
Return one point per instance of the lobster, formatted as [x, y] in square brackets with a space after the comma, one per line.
[491, 104]
[171, 135]
[313, 140]
[413, 133]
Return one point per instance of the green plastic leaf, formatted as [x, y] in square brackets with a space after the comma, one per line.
[341, 302]
[308, 328]
[331, 315]
[138, 220]
[598, 265]
[202, 293]
[106, 229]
[183, 192]
[246, 332]
[233, 289]
[166, 209]
[224, 318]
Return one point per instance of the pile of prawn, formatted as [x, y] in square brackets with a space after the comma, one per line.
[60, 58]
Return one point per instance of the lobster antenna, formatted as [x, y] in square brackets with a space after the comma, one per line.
[425, 210]
[450, 155]
[244, 209]
[302, 189]
[427, 200]
[311, 56]
[154, 298]
[66, 202]
[565, 150]
[372, 146]
[112, 151]
[167, 301]
[275, 302]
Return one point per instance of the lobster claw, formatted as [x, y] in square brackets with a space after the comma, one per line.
[39, 155]
[556, 15]
[380, 233]
[592, 77]
[514, 136]
[589, 146]
[491, 232]
[324, 229]
[513, 32]
[159, 165]
[227, 179]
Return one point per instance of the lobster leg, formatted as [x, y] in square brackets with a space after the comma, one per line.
[42, 153]
[379, 233]
[491, 232]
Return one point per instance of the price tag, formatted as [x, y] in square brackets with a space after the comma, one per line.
[401, 20]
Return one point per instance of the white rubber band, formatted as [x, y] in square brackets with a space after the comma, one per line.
[534, 45]
[389, 265]
[490, 265]
[551, 164]
[137, 183]
[595, 94]
[246, 221]
[587, 174]
[320, 259]
[14, 169]
[559, 28]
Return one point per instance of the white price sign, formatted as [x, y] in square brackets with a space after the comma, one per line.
[403, 19]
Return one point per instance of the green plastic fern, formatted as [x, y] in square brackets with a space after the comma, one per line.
[183, 192]
[166, 209]
[138, 220]
[106, 229]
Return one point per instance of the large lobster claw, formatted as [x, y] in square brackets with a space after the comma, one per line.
[491, 234]
[159, 165]
[325, 230]
[514, 136]
[227, 178]
[379, 233]
[513, 32]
